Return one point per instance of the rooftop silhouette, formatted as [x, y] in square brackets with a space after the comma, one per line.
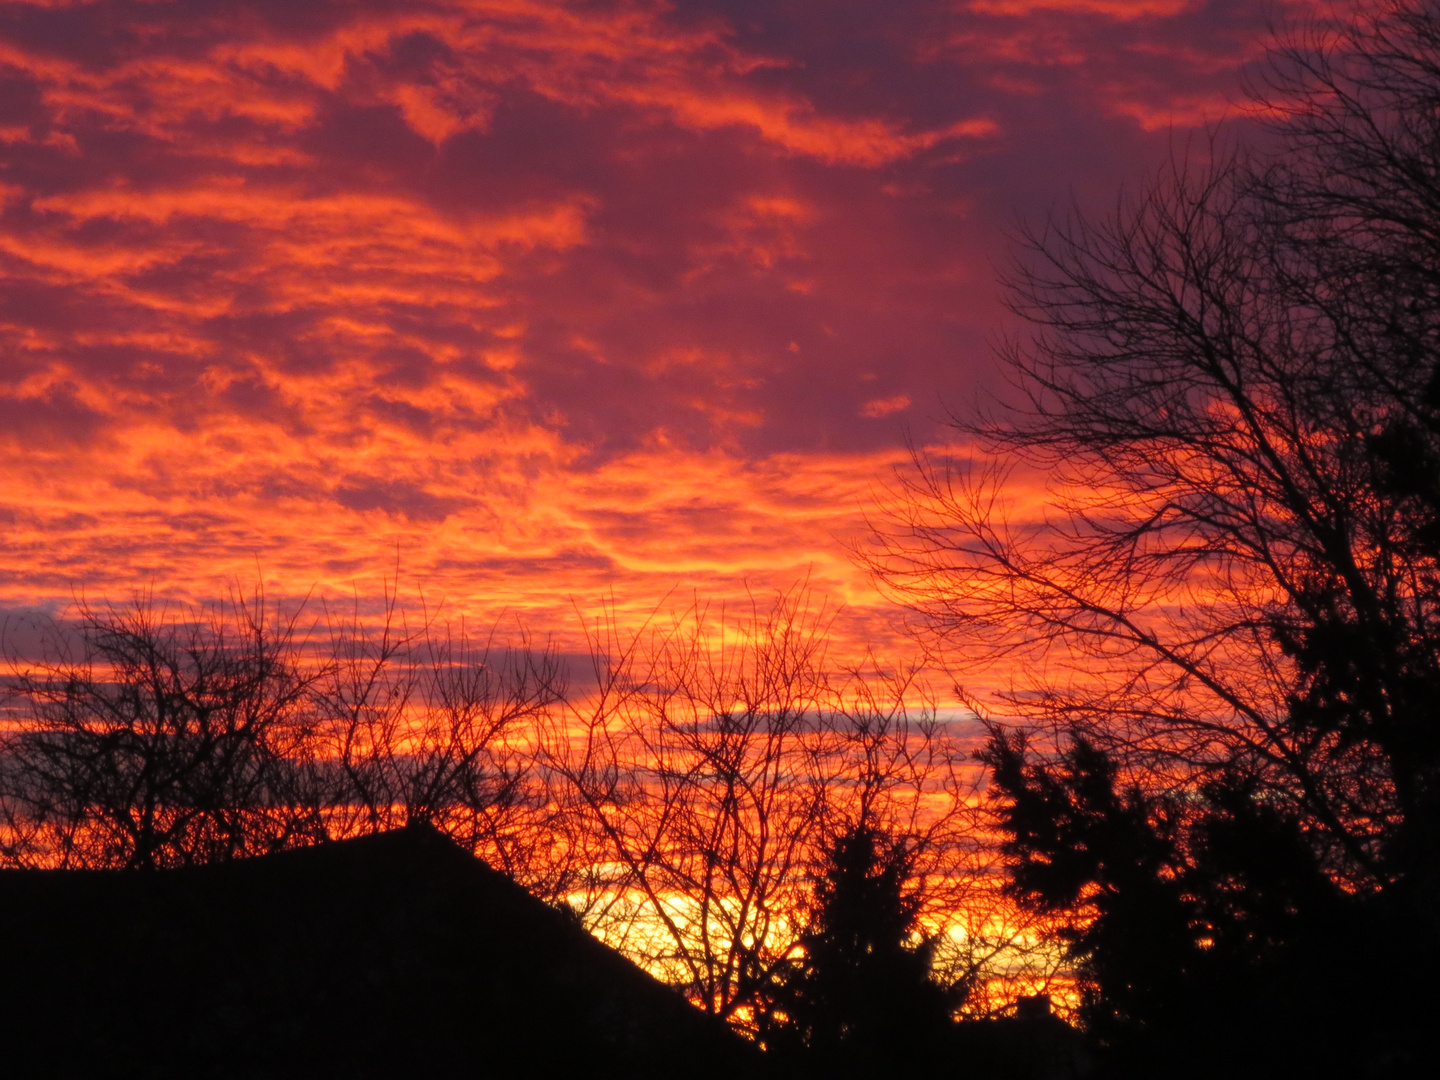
[397, 954]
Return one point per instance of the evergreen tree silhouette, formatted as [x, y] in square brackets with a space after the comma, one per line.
[862, 996]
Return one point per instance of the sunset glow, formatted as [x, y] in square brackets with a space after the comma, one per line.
[540, 303]
[721, 537]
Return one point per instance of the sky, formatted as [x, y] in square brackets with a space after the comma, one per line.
[544, 305]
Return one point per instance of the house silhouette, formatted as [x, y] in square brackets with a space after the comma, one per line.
[395, 955]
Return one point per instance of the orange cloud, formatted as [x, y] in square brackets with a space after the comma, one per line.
[1115, 9]
[554, 300]
[878, 407]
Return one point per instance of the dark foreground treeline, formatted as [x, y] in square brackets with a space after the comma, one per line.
[1224, 773]
[788, 845]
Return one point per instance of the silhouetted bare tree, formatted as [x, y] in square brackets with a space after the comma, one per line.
[1230, 568]
[158, 737]
[716, 762]
[435, 725]
[152, 735]
[1230, 603]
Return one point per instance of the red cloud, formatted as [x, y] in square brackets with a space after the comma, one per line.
[553, 299]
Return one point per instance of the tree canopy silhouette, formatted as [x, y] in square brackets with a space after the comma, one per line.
[1232, 602]
[861, 996]
[152, 742]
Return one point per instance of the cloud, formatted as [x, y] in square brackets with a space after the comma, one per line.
[1115, 9]
[556, 300]
[878, 407]
[1164, 64]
